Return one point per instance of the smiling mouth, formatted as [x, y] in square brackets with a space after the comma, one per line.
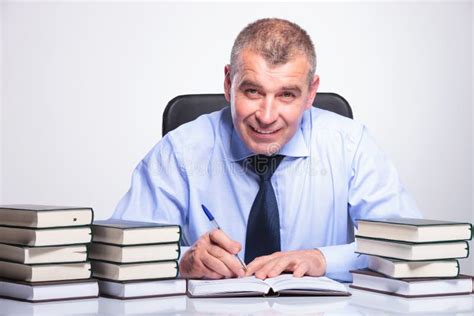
[264, 132]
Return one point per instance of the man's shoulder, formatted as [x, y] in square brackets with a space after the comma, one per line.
[202, 132]
[327, 121]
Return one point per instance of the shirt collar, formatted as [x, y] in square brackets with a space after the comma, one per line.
[296, 147]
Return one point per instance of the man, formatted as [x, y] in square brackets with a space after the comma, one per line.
[285, 181]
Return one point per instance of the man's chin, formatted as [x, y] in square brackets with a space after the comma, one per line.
[266, 149]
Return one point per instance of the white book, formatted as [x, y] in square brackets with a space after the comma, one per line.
[134, 271]
[42, 216]
[45, 236]
[50, 254]
[413, 287]
[414, 269]
[252, 286]
[44, 272]
[142, 289]
[129, 254]
[49, 291]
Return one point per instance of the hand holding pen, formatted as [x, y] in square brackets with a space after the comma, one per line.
[214, 222]
[212, 256]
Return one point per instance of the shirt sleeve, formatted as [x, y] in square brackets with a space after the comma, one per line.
[375, 191]
[159, 188]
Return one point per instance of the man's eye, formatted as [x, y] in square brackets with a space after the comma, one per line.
[288, 95]
[251, 91]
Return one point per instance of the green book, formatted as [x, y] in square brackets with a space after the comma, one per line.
[134, 253]
[48, 291]
[123, 232]
[45, 272]
[398, 269]
[414, 230]
[134, 271]
[410, 287]
[412, 251]
[45, 236]
[44, 216]
[47, 254]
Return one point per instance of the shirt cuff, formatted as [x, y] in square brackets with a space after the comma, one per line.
[340, 259]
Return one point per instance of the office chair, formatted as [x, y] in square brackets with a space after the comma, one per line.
[185, 108]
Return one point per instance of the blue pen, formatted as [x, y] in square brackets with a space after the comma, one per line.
[212, 220]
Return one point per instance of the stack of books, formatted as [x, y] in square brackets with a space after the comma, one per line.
[413, 257]
[43, 253]
[136, 259]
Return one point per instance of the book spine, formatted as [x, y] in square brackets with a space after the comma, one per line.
[177, 269]
[92, 217]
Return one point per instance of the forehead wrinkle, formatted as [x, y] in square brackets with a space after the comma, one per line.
[251, 80]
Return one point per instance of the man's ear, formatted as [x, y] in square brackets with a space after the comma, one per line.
[313, 89]
[227, 82]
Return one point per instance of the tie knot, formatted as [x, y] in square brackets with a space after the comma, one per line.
[265, 166]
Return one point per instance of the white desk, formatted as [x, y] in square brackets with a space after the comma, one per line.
[360, 303]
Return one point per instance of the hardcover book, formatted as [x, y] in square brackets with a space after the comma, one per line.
[44, 272]
[42, 216]
[414, 269]
[412, 251]
[48, 291]
[414, 230]
[48, 254]
[141, 289]
[284, 284]
[134, 253]
[414, 287]
[122, 232]
[45, 236]
[134, 271]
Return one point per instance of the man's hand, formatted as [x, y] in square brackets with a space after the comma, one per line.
[212, 257]
[300, 262]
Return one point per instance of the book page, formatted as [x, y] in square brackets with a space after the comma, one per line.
[288, 282]
[236, 285]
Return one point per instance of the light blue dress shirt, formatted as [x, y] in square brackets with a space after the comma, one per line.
[332, 175]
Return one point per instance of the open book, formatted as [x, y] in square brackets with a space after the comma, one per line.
[284, 284]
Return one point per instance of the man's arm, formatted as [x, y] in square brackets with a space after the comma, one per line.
[159, 193]
[375, 191]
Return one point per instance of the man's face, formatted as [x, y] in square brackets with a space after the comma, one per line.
[268, 101]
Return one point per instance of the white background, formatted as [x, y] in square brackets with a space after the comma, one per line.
[84, 85]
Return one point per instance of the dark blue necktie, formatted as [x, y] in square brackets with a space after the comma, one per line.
[263, 226]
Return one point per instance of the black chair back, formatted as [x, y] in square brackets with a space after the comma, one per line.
[185, 108]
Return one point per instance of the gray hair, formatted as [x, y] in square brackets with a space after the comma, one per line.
[277, 41]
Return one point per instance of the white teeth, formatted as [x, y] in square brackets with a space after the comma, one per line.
[263, 132]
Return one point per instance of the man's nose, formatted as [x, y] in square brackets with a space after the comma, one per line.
[267, 112]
